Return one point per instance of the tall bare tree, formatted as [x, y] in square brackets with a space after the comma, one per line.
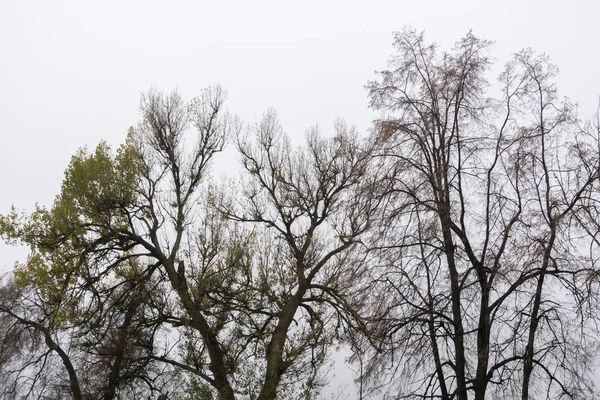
[481, 236]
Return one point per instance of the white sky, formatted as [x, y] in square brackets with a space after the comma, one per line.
[71, 72]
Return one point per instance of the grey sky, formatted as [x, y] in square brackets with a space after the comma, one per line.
[71, 72]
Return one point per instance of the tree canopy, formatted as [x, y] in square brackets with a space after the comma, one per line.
[453, 250]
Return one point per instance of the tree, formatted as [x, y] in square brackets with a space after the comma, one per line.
[315, 204]
[60, 345]
[482, 235]
[241, 295]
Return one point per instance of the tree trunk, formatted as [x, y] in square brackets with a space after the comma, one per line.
[275, 364]
[459, 346]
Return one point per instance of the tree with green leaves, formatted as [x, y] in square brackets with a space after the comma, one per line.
[145, 275]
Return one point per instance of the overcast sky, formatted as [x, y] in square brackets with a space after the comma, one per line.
[71, 72]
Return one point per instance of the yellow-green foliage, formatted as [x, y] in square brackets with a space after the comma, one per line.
[98, 190]
[98, 186]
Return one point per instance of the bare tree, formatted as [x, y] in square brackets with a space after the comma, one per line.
[28, 346]
[69, 347]
[480, 244]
